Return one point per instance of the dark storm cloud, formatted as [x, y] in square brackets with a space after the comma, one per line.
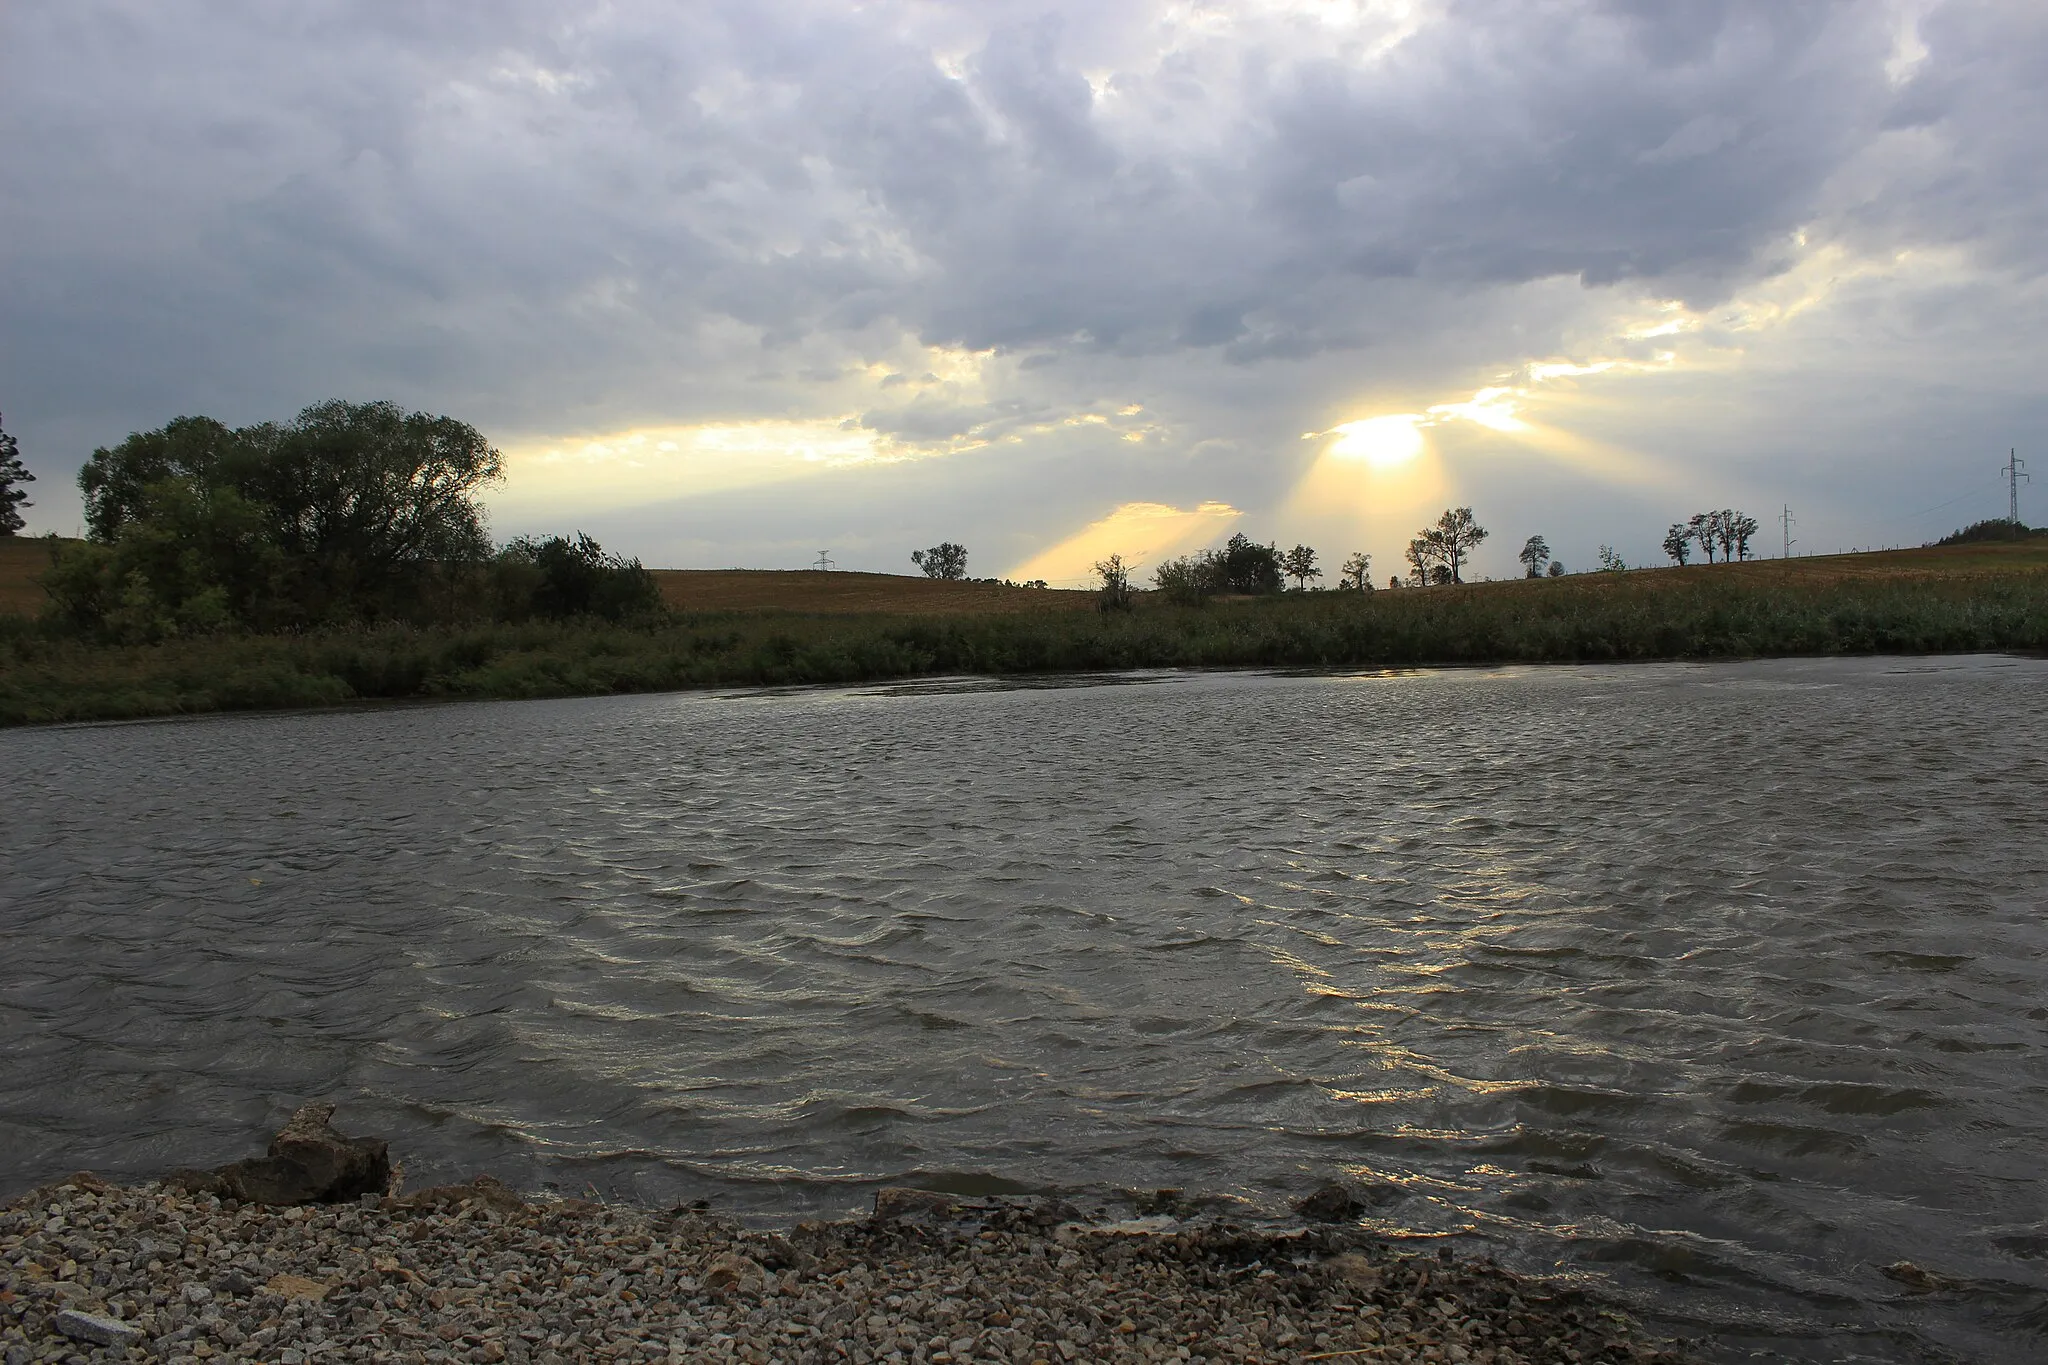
[552, 217]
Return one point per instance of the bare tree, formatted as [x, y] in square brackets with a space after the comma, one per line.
[1299, 564]
[1116, 583]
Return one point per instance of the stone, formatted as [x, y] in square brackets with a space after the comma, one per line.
[896, 1201]
[486, 1190]
[734, 1273]
[297, 1287]
[1333, 1203]
[308, 1163]
[96, 1329]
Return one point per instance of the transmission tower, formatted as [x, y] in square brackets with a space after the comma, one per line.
[1785, 520]
[824, 561]
[2015, 470]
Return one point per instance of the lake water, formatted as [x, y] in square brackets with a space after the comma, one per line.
[1725, 984]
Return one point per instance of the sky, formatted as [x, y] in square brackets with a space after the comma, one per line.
[733, 283]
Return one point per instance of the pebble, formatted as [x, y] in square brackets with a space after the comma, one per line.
[147, 1272]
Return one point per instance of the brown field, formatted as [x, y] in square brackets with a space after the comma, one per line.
[844, 593]
[23, 559]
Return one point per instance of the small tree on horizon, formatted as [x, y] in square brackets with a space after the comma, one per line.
[1440, 552]
[1535, 554]
[12, 472]
[1357, 572]
[1116, 583]
[1678, 542]
[944, 560]
[1556, 569]
[1700, 526]
[1742, 528]
[1245, 566]
[1299, 564]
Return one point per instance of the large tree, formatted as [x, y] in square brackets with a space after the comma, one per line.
[944, 560]
[1440, 552]
[347, 511]
[12, 472]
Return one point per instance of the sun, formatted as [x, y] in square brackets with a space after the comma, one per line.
[1382, 442]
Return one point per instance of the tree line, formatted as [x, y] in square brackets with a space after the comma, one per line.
[349, 513]
[1728, 530]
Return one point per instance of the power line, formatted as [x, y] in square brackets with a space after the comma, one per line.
[1976, 492]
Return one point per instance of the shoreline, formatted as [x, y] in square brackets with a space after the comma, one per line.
[49, 675]
[479, 1272]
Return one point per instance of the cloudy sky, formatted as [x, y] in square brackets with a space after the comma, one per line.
[732, 282]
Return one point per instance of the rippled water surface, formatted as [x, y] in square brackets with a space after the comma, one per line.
[1725, 984]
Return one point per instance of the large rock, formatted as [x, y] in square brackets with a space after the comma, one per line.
[308, 1163]
[98, 1330]
[898, 1201]
[1333, 1203]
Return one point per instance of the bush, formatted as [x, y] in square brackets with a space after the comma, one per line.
[559, 578]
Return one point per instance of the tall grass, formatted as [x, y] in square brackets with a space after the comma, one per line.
[46, 675]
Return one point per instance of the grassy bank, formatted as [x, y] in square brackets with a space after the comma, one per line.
[1698, 613]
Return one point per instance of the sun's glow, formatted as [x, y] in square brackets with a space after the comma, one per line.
[624, 468]
[1142, 532]
[1385, 442]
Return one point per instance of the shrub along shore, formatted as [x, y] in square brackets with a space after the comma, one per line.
[48, 674]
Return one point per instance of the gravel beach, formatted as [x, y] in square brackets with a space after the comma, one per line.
[90, 1272]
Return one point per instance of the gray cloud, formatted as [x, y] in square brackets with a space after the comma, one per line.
[550, 218]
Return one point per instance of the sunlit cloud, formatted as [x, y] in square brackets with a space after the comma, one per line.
[653, 463]
[1142, 532]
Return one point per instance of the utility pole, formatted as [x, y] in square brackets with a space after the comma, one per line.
[1785, 519]
[824, 561]
[2015, 470]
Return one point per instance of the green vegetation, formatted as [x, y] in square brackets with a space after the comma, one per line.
[49, 674]
[1998, 528]
[350, 514]
[12, 472]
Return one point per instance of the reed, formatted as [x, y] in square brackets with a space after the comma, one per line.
[47, 675]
